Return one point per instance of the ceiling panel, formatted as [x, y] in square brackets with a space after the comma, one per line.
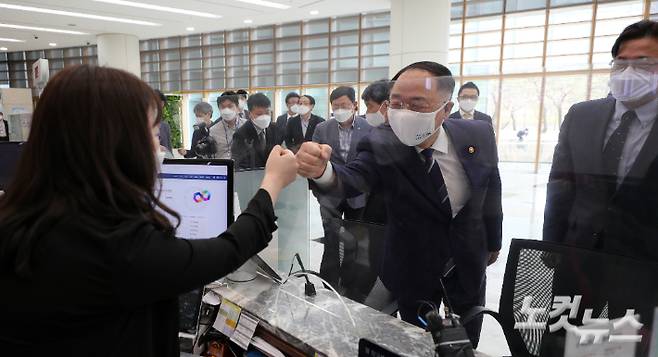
[233, 14]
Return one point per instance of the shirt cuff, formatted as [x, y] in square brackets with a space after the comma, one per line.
[327, 177]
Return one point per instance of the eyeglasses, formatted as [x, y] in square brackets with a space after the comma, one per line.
[464, 97]
[419, 107]
[646, 64]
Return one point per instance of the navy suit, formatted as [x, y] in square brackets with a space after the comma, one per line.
[476, 116]
[420, 237]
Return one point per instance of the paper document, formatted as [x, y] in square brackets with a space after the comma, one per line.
[227, 317]
[245, 330]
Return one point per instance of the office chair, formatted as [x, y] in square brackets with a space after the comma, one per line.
[608, 283]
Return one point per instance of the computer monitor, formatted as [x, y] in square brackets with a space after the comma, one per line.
[10, 153]
[201, 191]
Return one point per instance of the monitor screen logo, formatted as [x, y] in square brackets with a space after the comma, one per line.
[202, 196]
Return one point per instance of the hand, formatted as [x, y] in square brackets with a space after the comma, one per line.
[493, 257]
[312, 159]
[280, 171]
[182, 151]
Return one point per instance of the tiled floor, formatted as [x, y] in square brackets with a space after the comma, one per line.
[524, 194]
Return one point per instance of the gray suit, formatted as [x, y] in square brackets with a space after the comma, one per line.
[332, 207]
[327, 133]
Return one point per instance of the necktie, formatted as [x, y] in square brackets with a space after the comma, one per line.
[615, 146]
[434, 171]
[261, 141]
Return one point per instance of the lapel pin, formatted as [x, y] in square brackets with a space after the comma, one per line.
[471, 150]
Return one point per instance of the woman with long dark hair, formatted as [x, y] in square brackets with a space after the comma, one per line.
[89, 265]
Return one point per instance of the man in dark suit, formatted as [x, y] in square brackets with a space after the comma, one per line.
[443, 193]
[468, 96]
[300, 128]
[292, 99]
[342, 133]
[254, 140]
[602, 192]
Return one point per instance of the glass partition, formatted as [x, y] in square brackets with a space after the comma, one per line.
[292, 210]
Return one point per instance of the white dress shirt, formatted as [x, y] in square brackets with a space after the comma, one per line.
[467, 115]
[457, 183]
[305, 125]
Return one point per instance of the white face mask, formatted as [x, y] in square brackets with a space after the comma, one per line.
[242, 104]
[294, 108]
[412, 128]
[199, 120]
[343, 115]
[632, 85]
[304, 109]
[228, 114]
[377, 118]
[467, 105]
[262, 121]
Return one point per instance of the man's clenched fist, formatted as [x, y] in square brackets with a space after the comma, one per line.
[312, 159]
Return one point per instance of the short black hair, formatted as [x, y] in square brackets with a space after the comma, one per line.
[161, 95]
[258, 100]
[291, 95]
[377, 92]
[641, 29]
[436, 69]
[343, 91]
[310, 98]
[468, 85]
[228, 95]
[243, 93]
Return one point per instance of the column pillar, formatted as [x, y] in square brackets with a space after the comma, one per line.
[119, 51]
[420, 31]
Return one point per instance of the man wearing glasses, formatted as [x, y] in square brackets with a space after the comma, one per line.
[603, 187]
[468, 96]
[442, 194]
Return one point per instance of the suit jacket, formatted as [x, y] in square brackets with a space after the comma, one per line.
[581, 209]
[476, 116]
[294, 134]
[420, 237]
[165, 135]
[245, 148]
[327, 133]
[281, 123]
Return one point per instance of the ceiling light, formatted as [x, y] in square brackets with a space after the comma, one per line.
[52, 44]
[75, 14]
[275, 5]
[189, 28]
[160, 8]
[3, 48]
[248, 21]
[10, 40]
[43, 29]
[314, 12]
